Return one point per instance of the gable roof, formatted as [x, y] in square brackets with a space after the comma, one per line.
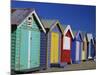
[90, 37]
[66, 30]
[77, 33]
[50, 24]
[20, 14]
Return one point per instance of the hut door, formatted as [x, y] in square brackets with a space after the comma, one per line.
[77, 50]
[24, 49]
[54, 47]
[35, 49]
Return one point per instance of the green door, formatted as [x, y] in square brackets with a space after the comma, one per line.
[24, 49]
[35, 49]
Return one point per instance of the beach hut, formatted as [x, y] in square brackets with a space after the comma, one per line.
[84, 47]
[54, 34]
[66, 45]
[76, 47]
[90, 48]
[94, 48]
[26, 41]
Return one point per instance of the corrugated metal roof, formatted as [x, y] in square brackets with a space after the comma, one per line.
[18, 15]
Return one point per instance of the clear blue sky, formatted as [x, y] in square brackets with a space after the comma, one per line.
[80, 17]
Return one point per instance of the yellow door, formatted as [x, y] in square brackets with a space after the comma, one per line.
[54, 47]
[84, 50]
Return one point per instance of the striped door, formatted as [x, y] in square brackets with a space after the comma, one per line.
[24, 49]
[54, 48]
[35, 49]
[77, 50]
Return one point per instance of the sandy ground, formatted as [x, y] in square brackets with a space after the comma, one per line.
[87, 65]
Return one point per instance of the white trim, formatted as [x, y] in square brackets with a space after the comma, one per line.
[28, 21]
[66, 43]
[66, 30]
[39, 21]
[79, 33]
[55, 24]
[29, 48]
[24, 20]
[89, 37]
[33, 12]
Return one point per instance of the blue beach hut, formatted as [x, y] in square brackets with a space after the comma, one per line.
[76, 47]
[90, 46]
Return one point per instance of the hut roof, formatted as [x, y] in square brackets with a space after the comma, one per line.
[20, 14]
[49, 23]
[77, 33]
[66, 30]
[89, 37]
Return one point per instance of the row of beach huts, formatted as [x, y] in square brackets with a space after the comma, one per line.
[39, 44]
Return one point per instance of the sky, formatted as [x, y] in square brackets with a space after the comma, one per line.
[79, 17]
